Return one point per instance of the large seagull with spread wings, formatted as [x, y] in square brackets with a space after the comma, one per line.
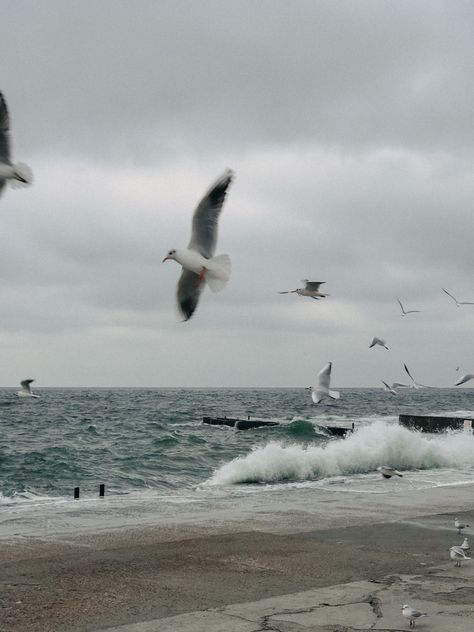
[198, 261]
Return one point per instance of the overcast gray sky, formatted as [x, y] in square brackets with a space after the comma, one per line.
[349, 127]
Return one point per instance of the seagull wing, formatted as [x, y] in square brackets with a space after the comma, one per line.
[464, 378]
[188, 292]
[399, 385]
[446, 292]
[288, 292]
[401, 306]
[4, 136]
[409, 374]
[324, 376]
[4, 131]
[313, 286]
[465, 303]
[25, 385]
[206, 215]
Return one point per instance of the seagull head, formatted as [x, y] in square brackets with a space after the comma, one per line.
[171, 255]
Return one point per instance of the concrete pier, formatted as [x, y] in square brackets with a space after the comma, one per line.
[436, 423]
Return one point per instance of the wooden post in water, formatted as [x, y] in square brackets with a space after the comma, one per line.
[102, 490]
[76, 493]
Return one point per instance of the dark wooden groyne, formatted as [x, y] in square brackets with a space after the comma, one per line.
[436, 423]
[246, 424]
[240, 424]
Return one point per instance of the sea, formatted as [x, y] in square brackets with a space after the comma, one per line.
[150, 444]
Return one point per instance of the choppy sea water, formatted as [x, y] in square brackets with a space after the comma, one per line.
[152, 441]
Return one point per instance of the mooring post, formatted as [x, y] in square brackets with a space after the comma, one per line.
[102, 490]
[76, 493]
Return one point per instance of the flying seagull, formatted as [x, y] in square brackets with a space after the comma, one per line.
[198, 261]
[321, 390]
[458, 554]
[26, 389]
[458, 303]
[464, 379]
[410, 311]
[311, 289]
[19, 174]
[378, 341]
[413, 614]
[388, 472]
[389, 389]
[415, 383]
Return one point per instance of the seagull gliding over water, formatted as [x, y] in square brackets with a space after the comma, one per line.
[198, 261]
[321, 390]
[311, 289]
[464, 379]
[26, 389]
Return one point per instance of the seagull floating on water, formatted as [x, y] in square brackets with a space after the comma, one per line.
[198, 261]
[388, 472]
[464, 379]
[26, 389]
[18, 175]
[311, 289]
[458, 554]
[458, 303]
[378, 341]
[410, 311]
[459, 525]
[413, 614]
[321, 390]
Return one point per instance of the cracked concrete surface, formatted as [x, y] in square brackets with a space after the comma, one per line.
[445, 593]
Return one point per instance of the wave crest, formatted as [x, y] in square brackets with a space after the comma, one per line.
[361, 452]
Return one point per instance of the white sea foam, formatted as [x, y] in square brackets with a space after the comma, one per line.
[361, 452]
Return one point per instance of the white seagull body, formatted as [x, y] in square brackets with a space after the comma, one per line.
[459, 525]
[464, 379]
[410, 311]
[321, 390]
[198, 261]
[26, 389]
[458, 554]
[311, 289]
[466, 546]
[18, 175]
[412, 614]
[388, 472]
[458, 303]
[378, 341]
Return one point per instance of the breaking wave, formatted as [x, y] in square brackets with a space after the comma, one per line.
[362, 452]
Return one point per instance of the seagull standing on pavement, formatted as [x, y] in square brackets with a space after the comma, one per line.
[412, 614]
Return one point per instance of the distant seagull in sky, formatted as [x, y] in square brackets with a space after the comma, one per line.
[458, 554]
[311, 289]
[458, 303]
[198, 261]
[378, 341]
[388, 472]
[410, 311]
[18, 175]
[459, 525]
[464, 378]
[388, 389]
[26, 389]
[321, 390]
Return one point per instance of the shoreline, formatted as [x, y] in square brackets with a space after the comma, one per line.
[237, 550]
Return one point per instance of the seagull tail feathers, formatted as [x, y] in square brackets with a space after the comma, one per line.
[23, 176]
[334, 394]
[218, 272]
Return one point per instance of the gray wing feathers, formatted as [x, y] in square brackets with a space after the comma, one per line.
[188, 293]
[206, 215]
[4, 131]
[313, 286]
